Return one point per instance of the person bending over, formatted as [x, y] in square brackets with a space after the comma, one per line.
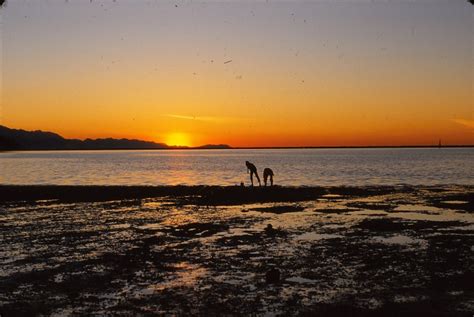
[253, 170]
[268, 173]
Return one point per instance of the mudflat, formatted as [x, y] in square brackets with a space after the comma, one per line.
[210, 250]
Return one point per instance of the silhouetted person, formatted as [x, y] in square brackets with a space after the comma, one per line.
[267, 172]
[253, 170]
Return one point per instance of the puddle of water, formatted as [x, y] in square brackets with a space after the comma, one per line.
[372, 303]
[400, 239]
[187, 274]
[443, 216]
[455, 202]
[456, 293]
[234, 279]
[335, 226]
[120, 226]
[369, 213]
[417, 207]
[151, 226]
[152, 204]
[331, 205]
[331, 196]
[469, 227]
[314, 236]
[407, 299]
[301, 280]
[63, 312]
[368, 200]
[46, 200]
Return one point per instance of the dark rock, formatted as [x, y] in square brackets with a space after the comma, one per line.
[272, 276]
[279, 209]
[269, 229]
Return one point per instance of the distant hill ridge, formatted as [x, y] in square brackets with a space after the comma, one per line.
[15, 139]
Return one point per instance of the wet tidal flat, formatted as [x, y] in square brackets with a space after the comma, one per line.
[403, 250]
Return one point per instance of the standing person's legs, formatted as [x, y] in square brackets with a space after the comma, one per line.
[251, 177]
[271, 180]
[258, 178]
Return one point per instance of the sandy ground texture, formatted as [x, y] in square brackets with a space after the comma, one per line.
[145, 251]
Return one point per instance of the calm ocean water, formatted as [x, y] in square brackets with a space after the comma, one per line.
[227, 167]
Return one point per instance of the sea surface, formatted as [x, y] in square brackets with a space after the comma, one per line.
[292, 167]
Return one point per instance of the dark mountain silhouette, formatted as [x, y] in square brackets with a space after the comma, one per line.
[13, 139]
[214, 146]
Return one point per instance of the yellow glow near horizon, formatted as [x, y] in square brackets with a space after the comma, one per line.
[178, 139]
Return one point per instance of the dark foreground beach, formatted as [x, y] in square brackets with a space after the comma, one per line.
[208, 250]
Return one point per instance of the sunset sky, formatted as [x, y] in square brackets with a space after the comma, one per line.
[244, 73]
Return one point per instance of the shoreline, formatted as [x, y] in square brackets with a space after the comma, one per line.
[210, 194]
[455, 146]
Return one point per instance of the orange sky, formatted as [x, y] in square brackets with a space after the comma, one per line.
[300, 74]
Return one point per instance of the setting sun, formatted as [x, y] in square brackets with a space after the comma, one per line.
[339, 74]
[178, 139]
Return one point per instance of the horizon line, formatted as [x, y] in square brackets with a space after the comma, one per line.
[254, 148]
[221, 146]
